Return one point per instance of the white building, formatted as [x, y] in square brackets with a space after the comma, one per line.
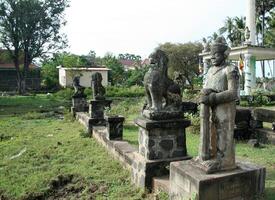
[66, 75]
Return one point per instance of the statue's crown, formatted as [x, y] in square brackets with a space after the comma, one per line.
[219, 45]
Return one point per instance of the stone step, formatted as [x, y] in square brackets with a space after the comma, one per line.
[265, 135]
[161, 184]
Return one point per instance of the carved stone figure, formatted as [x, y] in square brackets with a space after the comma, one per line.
[163, 96]
[78, 89]
[218, 110]
[97, 87]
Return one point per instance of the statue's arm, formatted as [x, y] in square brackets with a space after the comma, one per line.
[231, 94]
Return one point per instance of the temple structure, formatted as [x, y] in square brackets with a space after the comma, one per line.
[249, 51]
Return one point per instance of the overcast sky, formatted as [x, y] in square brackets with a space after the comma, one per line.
[138, 26]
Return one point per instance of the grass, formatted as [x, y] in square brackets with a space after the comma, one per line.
[39, 150]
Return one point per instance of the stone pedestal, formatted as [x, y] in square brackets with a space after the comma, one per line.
[79, 105]
[160, 142]
[187, 181]
[97, 107]
[114, 126]
[162, 139]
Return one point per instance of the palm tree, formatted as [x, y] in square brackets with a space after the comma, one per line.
[228, 29]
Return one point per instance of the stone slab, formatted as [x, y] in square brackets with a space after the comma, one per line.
[161, 184]
[143, 170]
[152, 124]
[246, 182]
[264, 115]
[115, 127]
[266, 136]
[88, 122]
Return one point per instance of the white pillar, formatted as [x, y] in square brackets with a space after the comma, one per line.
[205, 68]
[251, 20]
[250, 74]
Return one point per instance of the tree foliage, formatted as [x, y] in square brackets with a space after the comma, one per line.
[183, 58]
[117, 73]
[31, 27]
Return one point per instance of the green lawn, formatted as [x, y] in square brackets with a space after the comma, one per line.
[43, 155]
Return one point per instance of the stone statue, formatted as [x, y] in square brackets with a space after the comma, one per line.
[218, 110]
[163, 96]
[78, 89]
[206, 45]
[97, 87]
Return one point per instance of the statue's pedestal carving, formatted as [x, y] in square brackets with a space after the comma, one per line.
[114, 126]
[162, 139]
[245, 182]
[160, 142]
[79, 104]
[97, 107]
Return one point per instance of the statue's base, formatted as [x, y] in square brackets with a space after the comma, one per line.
[162, 115]
[247, 181]
[79, 104]
[97, 107]
[114, 126]
[162, 139]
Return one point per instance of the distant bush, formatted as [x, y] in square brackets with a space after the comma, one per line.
[66, 94]
[133, 91]
[195, 123]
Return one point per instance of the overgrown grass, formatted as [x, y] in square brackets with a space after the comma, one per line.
[36, 147]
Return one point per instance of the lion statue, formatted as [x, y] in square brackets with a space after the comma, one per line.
[163, 96]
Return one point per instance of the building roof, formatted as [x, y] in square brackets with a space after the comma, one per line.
[260, 53]
[6, 61]
[84, 68]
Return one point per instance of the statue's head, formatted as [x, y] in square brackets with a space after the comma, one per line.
[159, 58]
[97, 77]
[219, 51]
[76, 80]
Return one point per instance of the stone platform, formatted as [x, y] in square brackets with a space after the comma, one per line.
[97, 107]
[162, 139]
[247, 182]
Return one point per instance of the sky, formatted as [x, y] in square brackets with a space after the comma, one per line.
[139, 26]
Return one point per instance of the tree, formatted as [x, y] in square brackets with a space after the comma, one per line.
[183, 58]
[50, 72]
[262, 9]
[234, 30]
[31, 27]
[117, 75]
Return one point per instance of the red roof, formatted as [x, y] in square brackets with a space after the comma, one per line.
[11, 66]
[7, 63]
[128, 62]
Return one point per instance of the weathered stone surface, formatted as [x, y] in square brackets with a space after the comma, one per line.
[186, 181]
[115, 127]
[79, 105]
[162, 139]
[218, 110]
[153, 124]
[78, 89]
[264, 115]
[89, 122]
[265, 136]
[97, 107]
[159, 86]
[97, 87]
[167, 145]
[142, 170]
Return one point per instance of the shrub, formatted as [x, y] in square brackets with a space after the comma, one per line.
[133, 91]
[66, 93]
[195, 123]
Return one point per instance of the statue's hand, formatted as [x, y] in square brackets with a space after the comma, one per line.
[206, 91]
[209, 100]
